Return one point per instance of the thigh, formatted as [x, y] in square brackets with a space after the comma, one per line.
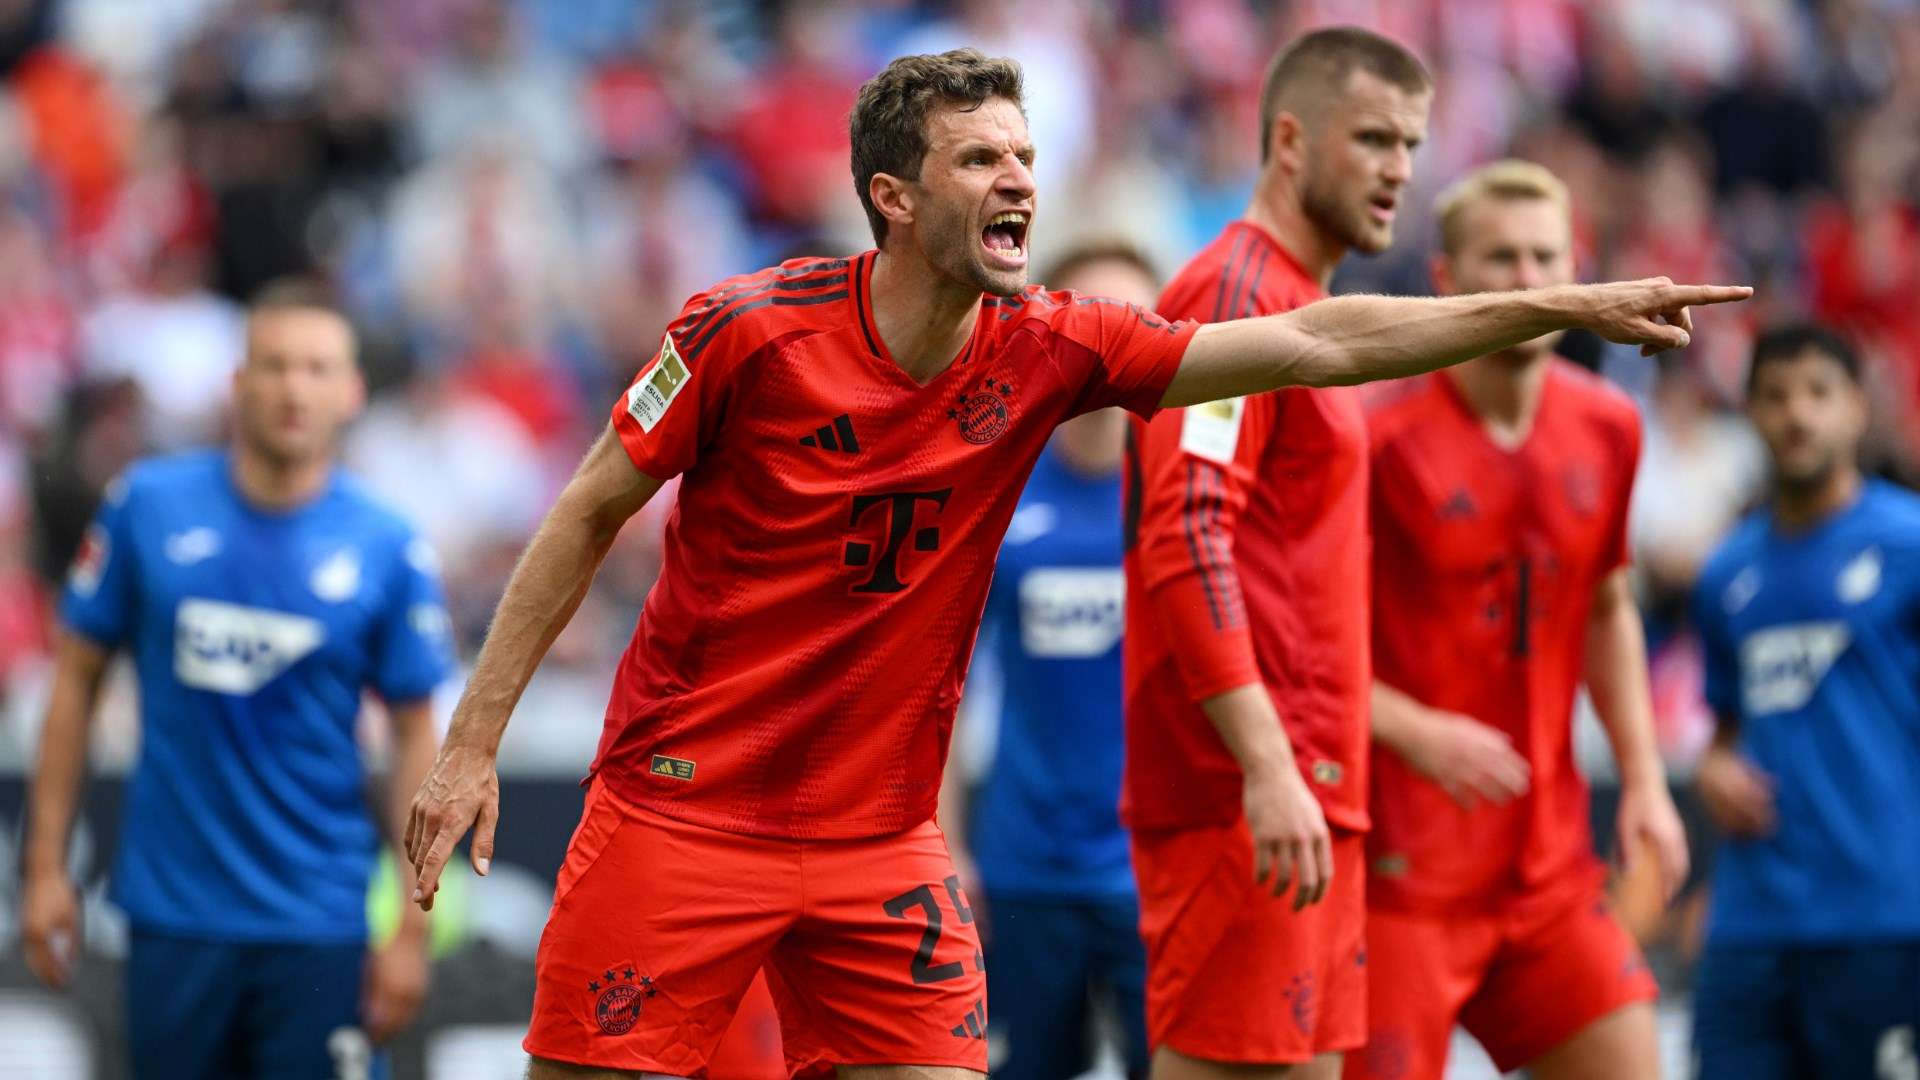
[1040, 965]
[1120, 973]
[183, 1002]
[884, 966]
[302, 1013]
[1560, 969]
[1225, 957]
[1859, 1009]
[1421, 970]
[1743, 1022]
[656, 930]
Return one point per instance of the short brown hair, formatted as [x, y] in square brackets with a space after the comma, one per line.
[1511, 180]
[304, 293]
[888, 127]
[1314, 68]
[1080, 256]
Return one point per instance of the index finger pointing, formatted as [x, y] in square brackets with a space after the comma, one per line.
[1691, 295]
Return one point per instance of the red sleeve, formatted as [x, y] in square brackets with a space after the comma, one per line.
[1196, 466]
[1134, 352]
[672, 409]
[1617, 553]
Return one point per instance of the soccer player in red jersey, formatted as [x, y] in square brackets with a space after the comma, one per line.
[852, 436]
[1247, 673]
[1500, 494]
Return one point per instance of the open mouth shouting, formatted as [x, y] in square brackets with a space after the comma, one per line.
[1005, 239]
[1380, 207]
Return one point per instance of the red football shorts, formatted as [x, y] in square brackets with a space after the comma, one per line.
[1234, 974]
[659, 926]
[1521, 982]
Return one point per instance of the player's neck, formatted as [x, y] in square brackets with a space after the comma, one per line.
[278, 485]
[1504, 391]
[1277, 209]
[1802, 506]
[924, 318]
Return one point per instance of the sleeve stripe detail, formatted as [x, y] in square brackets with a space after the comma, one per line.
[692, 351]
[1190, 517]
[797, 279]
[1249, 303]
[1235, 257]
[1222, 579]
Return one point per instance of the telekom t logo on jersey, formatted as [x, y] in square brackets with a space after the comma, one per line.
[895, 516]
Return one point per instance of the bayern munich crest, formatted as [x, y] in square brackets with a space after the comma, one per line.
[623, 994]
[983, 415]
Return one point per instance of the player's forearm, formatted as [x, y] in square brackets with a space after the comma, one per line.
[545, 590]
[1251, 729]
[60, 770]
[1396, 717]
[1616, 676]
[414, 746]
[1356, 339]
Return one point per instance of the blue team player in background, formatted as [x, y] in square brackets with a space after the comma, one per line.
[1810, 614]
[1045, 857]
[259, 592]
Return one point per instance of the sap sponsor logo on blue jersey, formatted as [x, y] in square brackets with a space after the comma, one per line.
[1782, 666]
[234, 649]
[1072, 611]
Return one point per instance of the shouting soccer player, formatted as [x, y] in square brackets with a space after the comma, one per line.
[1247, 668]
[1499, 499]
[259, 592]
[853, 436]
[1810, 616]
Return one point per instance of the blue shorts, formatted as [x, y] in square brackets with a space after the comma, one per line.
[1047, 961]
[1805, 1013]
[215, 1010]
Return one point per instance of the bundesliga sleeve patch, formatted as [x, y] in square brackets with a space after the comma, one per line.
[648, 398]
[1212, 430]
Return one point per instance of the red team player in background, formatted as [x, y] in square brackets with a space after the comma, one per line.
[1247, 672]
[853, 436]
[1500, 493]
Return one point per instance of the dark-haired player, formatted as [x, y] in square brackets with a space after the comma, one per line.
[1500, 491]
[259, 591]
[1810, 616]
[1247, 668]
[853, 435]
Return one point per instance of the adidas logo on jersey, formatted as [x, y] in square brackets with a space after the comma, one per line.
[1781, 667]
[835, 436]
[231, 649]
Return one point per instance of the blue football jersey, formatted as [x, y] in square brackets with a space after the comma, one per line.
[1046, 824]
[253, 634]
[1812, 642]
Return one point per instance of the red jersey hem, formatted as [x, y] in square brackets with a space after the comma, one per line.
[731, 823]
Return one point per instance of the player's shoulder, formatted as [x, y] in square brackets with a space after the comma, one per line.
[1243, 272]
[182, 474]
[369, 515]
[797, 296]
[1594, 395]
[1734, 553]
[1060, 313]
[1896, 509]
[1393, 406]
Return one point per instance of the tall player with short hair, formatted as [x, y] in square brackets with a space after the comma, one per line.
[853, 436]
[1810, 619]
[259, 591]
[1247, 668]
[1500, 493]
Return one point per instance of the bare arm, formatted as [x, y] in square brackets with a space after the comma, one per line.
[50, 906]
[397, 975]
[546, 588]
[1289, 829]
[1616, 676]
[1468, 759]
[1355, 339]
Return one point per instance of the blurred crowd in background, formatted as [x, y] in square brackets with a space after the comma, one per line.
[514, 196]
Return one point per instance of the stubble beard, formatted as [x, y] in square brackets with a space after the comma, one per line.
[1337, 217]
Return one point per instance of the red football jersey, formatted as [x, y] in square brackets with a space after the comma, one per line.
[1485, 564]
[797, 664]
[1247, 563]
